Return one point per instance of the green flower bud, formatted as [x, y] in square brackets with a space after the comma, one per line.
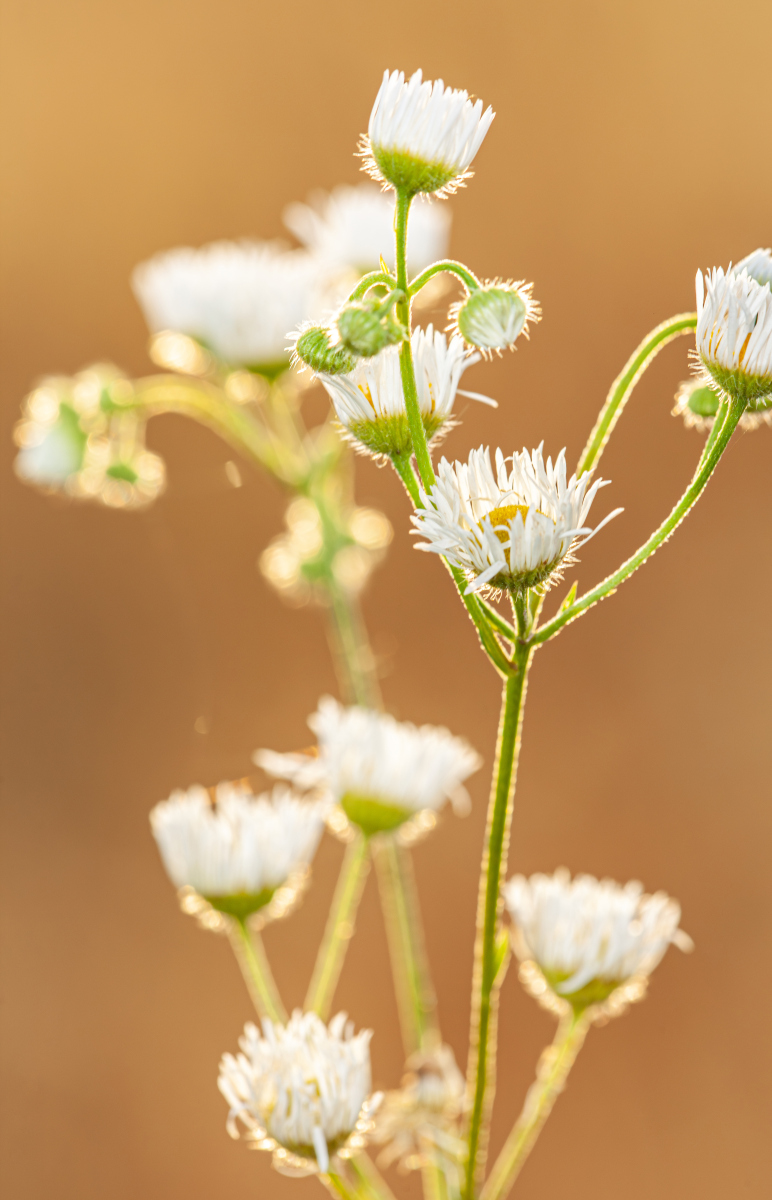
[314, 349]
[493, 316]
[365, 329]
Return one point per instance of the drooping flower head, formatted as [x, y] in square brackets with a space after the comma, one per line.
[423, 136]
[492, 317]
[594, 943]
[734, 335]
[370, 404]
[510, 528]
[243, 855]
[301, 1091]
[238, 298]
[380, 771]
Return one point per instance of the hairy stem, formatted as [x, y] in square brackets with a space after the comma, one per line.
[351, 650]
[449, 265]
[482, 1038]
[340, 927]
[252, 959]
[551, 1074]
[622, 387]
[407, 369]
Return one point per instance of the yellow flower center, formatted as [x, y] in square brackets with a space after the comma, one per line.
[503, 515]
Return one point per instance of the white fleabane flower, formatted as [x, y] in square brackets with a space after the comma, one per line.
[370, 404]
[758, 265]
[734, 335]
[492, 317]
[421, 1121]
[590, 939]
[510, 528]
[380, 771]
[238, 854]
[352, 228]
[238, 298]
[422, 137]
[301, 1091]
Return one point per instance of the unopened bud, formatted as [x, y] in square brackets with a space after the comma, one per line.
[493, 316]
[314, 349]
[365, 329]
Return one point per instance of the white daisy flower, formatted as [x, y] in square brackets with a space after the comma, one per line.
[380, 771]
[423, 136]
[301, 1091]
[421, 1121]
[352, 228]
[238, 854]
[590, 938]
[370, 404]
[758, 265]
[238, 298]
[734, 334]
[508, 528]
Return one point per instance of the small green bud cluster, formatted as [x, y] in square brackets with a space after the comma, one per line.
[365, 328]
[314, 348]
[493, 316]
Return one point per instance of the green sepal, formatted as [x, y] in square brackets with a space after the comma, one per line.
[753, 391]
[391, 435]
[597, 991]
[412, 175]
[241, 904]
[122, 470]
[704, 402]
[374, 816]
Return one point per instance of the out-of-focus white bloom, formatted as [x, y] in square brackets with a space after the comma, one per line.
[698, 402]
[591, 938]
[301, 1091]
[238, 298]
[352, 228]
[734, 335]
[380, 771]
[508, 528]
[758, 265]
[422, 137]
[237, 854]
[420, 1122]
[370, 403]
[493, 316]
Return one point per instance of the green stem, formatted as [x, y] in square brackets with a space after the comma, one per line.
[551, 1074]
[352, 652]
[690, 496]
[337, 1186]
[407, 369]
[416, 1000]
[448, 264]
[404, 468]
[340, 927]
[718, 425]
[372, 1184]
[252, 959]
[623, 385]
[374, 279]
[482, 1039]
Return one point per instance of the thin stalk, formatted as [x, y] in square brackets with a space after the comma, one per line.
[337, 1186]
[482, 1038]
[351, 650]
[715, 431]
[623, 385]
[340, 927]
[435, 1184]
[691, 495]
[551, 1074]
[372, 1184]
[452, 267]
[407, 369]
[374, 279]
[250, 952]
[416, 1000]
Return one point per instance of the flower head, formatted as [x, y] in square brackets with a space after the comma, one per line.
[380, 771]
[423, 137]
[301, 1091]
[238, 298]
[590, 940]
[734, 335]
[352, 228]
[492, 317]
[420, 1122]
[507, 528]
[758, 265]
[239, 854]
[370, 404]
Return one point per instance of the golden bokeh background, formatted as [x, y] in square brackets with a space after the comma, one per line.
[631, 147]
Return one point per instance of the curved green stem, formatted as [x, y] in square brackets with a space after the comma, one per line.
[252, 959]
[623, 385]
[449, 265]
[705, 470]
[482, 1038]
[407, 369]
[340, 927]
[551, 1074]
[374, 279]
[718, 425]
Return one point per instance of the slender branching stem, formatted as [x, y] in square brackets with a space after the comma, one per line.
[250, 952]
[704, 471]
[718, 423]
[399, 899]
[337, 1186]
[374, 279]
[340, 927]
[482, 1039]
[407, 369]
[372, 1185]
[622, 387]
[551, 1074]
[351, 649]
[471, 282]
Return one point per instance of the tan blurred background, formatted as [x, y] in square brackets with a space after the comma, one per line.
[631, 147]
